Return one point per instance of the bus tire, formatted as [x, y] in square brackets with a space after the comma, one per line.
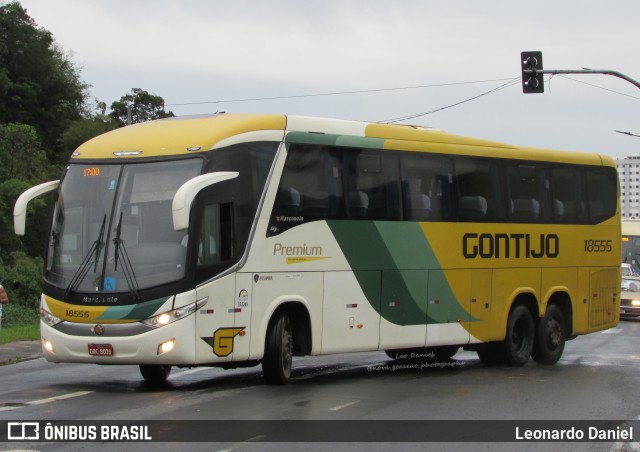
[155, 374]
[518, 344]
[492, 354]
[550, 337]
[278, 350]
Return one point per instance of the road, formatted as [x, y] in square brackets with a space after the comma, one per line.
[598, 378]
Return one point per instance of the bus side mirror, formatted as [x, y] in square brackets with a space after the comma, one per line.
[20, 207]
[185, 195]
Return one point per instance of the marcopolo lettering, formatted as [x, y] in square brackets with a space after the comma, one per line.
[488, 246]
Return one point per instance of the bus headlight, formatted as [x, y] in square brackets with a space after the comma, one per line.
[48, 318]
[635, 302]
[168, 317]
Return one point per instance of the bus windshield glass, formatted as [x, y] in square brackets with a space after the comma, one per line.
[112, 228]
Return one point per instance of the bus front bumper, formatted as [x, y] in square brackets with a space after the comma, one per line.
[172, 344]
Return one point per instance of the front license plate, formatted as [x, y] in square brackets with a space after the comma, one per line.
[101, 349]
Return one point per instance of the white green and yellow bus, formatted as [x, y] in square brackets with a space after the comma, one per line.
[237, 240]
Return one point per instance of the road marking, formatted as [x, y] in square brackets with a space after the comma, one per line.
[47, 400]
[344, 405]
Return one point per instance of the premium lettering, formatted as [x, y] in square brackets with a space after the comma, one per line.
[281, 250]
[505, 246]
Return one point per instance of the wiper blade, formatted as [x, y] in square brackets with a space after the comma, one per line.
[127, 268]
[92, 254]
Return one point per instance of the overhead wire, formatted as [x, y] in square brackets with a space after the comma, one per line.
[598, 87]
[511, 82]
[337, 93]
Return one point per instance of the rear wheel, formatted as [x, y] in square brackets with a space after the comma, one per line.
[155, 375]
[518, 344]
[550, 337]
[278, 351]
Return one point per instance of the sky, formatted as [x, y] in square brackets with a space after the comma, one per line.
[389, 59]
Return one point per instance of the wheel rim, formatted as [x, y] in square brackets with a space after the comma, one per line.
[519, 338]
[287, 350]
[553, 332]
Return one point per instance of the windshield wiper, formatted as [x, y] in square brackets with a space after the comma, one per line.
[127, 268]
[92, 255]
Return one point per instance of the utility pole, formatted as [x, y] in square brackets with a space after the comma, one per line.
[532, 72]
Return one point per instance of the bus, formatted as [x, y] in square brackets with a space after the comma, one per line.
[631, 244]
[239, 240]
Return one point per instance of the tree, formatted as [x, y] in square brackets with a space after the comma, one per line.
[139, 106]
[23, 164]
[86, 128]
[21, 154]
[39, 85]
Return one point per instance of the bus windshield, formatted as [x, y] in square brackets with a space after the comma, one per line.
[112, 228]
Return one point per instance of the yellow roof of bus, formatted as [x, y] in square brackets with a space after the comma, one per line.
[183, 135]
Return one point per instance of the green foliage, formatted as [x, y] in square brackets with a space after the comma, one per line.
[43, 118]
[21, 153]
[22, 278]
[39, 85]
[18, 315]
[140, 106]
[23, 164]
[23, 332]
[83, 130]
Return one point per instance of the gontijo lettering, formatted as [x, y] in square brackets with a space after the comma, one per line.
[487, 246]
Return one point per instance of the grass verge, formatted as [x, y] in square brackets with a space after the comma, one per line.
[15, 333]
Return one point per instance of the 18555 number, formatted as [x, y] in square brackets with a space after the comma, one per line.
[598, 246]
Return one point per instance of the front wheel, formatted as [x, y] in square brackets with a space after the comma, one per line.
[278, 351]
[155, 375]
[550, 337]
[518, 344]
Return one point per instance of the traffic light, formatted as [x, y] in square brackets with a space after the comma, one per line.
[532, 81]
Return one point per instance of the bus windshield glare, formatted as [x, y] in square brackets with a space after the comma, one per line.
[112, 227]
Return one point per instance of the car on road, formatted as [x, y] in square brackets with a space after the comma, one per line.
[630, 294]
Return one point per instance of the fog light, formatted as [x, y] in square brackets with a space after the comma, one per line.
[48, 346]
[635, 302]
[166, 346]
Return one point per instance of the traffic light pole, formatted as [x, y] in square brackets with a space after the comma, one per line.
[533, 73]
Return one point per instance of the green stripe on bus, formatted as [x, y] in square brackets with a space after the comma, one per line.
[406, 271]
[133, 312]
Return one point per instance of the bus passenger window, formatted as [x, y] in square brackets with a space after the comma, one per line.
[601, 193]
[528, 188]
[480, 197]
[426, 187]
